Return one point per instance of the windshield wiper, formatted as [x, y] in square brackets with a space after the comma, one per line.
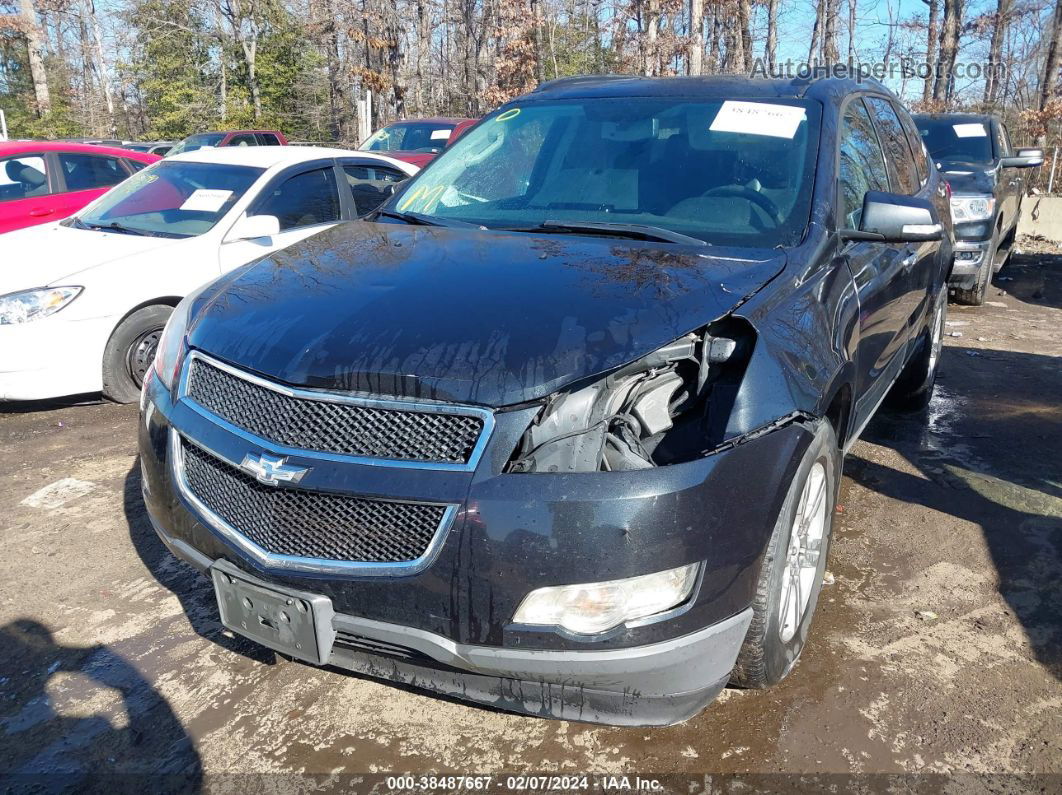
[114, 226]
[420, 219]
[636, 231]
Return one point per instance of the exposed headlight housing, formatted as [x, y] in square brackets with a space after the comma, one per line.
[972, 208]
[28, 305]
[667, 407]
[591, 608]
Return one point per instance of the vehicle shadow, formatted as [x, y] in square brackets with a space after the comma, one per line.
[84, 719]
[987, 452]
[53, 404]
[1028, 277]
[193, 590]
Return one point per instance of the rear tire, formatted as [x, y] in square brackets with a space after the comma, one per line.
[914, 388]
[130, 352]
[779, 630]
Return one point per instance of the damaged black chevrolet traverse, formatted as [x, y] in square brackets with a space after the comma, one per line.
[560, 428]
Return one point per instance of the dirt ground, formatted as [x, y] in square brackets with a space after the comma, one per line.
[935, 650]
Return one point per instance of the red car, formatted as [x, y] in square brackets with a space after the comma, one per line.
[416, 141]
[43, 181]
[230, 138]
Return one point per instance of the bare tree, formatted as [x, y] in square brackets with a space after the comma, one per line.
[944, 80]
[829, 39]
[1049, 81]
[1000, 21]
[815, 49]
[35, 53]
[932, 32]
[696, 47]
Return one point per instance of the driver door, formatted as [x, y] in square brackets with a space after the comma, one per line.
[305, 201]
[877, 268]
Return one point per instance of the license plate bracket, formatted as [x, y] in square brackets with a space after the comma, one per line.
[286, 620]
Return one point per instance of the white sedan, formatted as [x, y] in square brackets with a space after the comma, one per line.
[83, 301]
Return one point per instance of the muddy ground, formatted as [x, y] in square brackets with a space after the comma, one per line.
[937, 648]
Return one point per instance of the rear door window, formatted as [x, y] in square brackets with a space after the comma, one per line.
[862, 163]
[369, 185]
[23, 177]
[897, 149]
[90, 172]
[303, 200]
[268, 139]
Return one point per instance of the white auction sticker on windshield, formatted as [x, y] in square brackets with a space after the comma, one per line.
[974, 130]
[439, 135]
[758, 118]
[206, 200]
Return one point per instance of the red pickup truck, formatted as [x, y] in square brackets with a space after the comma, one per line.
[230, 138]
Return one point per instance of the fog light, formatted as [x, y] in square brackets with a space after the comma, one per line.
[588, 608]
[968, 257]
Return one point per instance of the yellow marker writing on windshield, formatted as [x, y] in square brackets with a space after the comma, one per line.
[512, 113]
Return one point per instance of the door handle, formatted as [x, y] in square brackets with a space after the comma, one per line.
[40, 212]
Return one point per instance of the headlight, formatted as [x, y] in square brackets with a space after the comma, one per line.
[22, 307]
[660, 409]
[168, 355]
[598, 606]
[972, 208]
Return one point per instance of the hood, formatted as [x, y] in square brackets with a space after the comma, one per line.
[969, 178]
[52, 254]
[470, 316]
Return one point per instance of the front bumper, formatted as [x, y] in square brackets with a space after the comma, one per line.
[653, 685]
[969, 258]
[51, 357]
[448, 627]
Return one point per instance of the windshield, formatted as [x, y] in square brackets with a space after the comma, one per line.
[426, 137]
[726, 172]
[193, 142]
[948, 139]
[171, 199]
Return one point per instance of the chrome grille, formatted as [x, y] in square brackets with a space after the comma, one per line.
[344, 427]
[310, 524]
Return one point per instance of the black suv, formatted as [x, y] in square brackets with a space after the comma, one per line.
[560, 428]
[976, 158]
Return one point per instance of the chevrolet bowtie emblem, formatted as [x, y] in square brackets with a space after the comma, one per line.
[271, 469]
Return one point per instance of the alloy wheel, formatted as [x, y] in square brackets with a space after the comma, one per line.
[803, 552]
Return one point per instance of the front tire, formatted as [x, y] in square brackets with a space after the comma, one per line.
[130, 352]
[975, 296]
[793, 567]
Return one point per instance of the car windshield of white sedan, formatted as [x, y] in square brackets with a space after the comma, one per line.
[727, 172]
[170, 199]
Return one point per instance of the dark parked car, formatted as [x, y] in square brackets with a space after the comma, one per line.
[552, 432]
[230, 138]
[976, 157]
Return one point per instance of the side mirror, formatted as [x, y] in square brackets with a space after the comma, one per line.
[893, 218]
[1025, 158]
[252, 227]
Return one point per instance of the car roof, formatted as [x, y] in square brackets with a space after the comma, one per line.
[19, 147]
[269, 156]
[709, 87]
[232, 132]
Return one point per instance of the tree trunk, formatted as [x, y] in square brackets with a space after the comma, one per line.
[1050, 78]
[745, 22]
[35, 50]
[772, 34]
[814, 50]
[102, 74]
[943, 82]
[851, 31]
[995, 51]
[931, 47]
[830, 53]
[696, 51]
[651, 65]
